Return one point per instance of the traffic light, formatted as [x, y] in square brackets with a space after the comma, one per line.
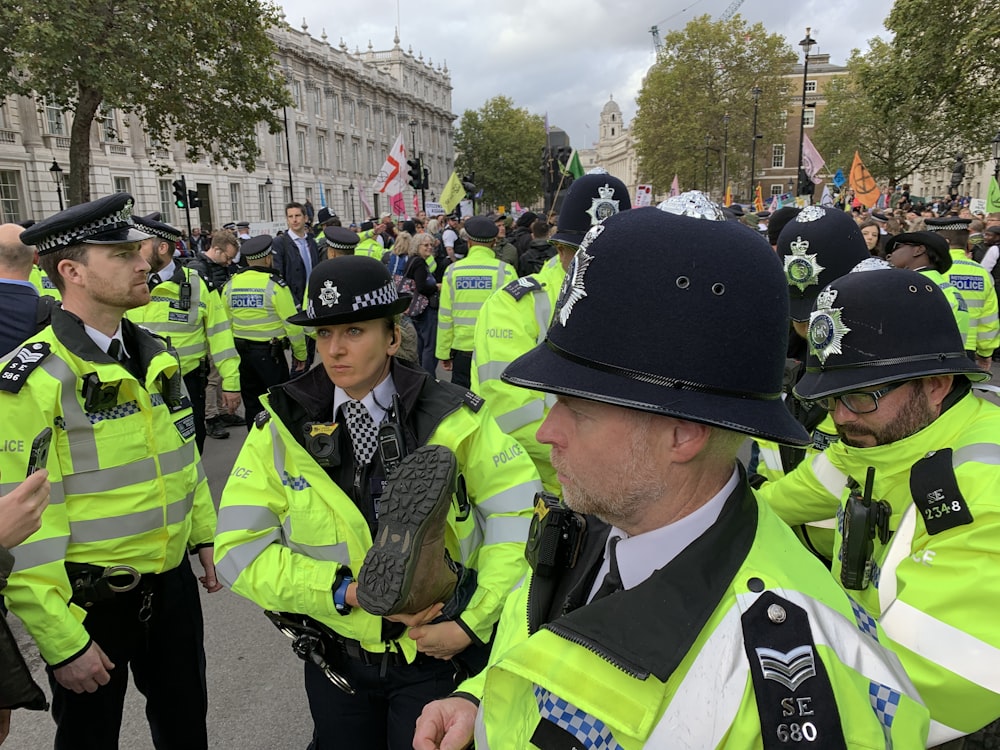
[468, 182]
[180, 193]
[426, 184]
[416, 173]
[193, 200]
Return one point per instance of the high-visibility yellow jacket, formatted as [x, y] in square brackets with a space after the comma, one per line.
[286, 527]
[202, 328]
[959, 307]
[368, 245]
[742, 637]
[975, 285]
[509, 324]
[127, 484]
[467, 284]
[259, 302]
[931, 592]
[43, 283]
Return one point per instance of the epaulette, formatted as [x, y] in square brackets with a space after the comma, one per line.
[520, 287]
[262, 418]
[280, 281]
[20, 366]
[474, 401]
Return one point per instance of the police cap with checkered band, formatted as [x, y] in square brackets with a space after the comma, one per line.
[105, 221]
[591, 199]
[151, 224]
[348, 289]
[652, 300]
[257, 247]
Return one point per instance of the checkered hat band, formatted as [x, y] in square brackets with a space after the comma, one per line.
[118, 220]
[158, 232]
[385, 295]
[956, 226]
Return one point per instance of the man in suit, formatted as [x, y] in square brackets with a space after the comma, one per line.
[18, 296]
[295, 252]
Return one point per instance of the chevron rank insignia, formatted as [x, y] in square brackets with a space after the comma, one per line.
[20, 366]
[520, 287]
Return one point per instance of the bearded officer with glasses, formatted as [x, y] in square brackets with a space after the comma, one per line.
[915, 485]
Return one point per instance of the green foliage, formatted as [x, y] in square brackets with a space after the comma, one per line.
[501, 144]
[708, 70]
[203, 74]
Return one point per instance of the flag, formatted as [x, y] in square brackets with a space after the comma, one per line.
[322, 196]
[862, 183]
[453, 192]
[993, 197]
[398, 205]
[812, 162]
[838, 179]
[416, 204]
[572, 167]
[363, 199]
[728, 200]
[390, 176]
[675, 187]
[774, 204]
[758, 199]
[516, 208]
[827, 198]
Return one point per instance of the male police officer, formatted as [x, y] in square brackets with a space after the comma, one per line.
[467, 284]
[914, 483]
[105, 584]
[682, 613]
[516, 320]
[259, 303]
[183, 310]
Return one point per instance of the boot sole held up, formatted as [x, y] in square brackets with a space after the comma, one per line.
[416, 499]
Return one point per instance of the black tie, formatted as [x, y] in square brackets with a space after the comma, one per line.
[154, 280]
[115, 350]
[612, 580]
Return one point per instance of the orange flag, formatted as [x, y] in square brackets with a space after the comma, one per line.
[728, 200]
[758, 199]
[862, 183]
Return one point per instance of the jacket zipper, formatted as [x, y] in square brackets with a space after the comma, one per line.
[596, 648]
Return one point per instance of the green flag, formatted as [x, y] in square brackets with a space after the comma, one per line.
[452, 194]
[573, 166]
[993, 197]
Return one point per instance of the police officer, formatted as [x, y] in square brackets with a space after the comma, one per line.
[668, 586]
[467, 284]
[105, 584]
[259, 303]
[308, 524]
[516, 320]
[183, 310]
[913, 481]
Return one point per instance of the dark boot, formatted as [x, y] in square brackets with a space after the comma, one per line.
[407, 569]
[216, 429]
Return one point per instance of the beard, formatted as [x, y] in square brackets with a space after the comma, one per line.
[913, 417]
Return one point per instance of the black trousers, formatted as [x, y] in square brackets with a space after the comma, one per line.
[195, 383]
[258, 372]
[167, 658]
[461, 368]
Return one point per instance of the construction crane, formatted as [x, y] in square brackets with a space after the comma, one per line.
[655, 29]
[731, 10]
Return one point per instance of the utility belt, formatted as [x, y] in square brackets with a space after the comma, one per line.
[93, 585]
[274, 348]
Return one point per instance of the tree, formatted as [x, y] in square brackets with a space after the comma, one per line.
[201, 74]
[500, 144]
[708, 70]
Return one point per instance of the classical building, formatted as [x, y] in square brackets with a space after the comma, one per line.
[614, 149]
[348, 107]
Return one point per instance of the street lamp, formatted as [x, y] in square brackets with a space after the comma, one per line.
[354, 219]
[996, 156]
[56, 171]
[756, 91]
[268, 185]
[806, 45]
[725, 154]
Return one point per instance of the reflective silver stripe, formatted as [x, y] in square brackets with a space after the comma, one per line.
[245, 518]
[129, 524]
[521, 416]
[56, 493]
[900, 547]
[943, 644]
[830, 523]
[983, 453]
[41, 552]
[191, 350]
[473, 541]
[500, 529]
[464, 321]
[470, 306]
[110, 478]
[543, 314]
[238, 558]
[971, 302]
[82, 441]
[257, 334]
[327, 553]
[225, 354]
[511, 500]
[178, 511]
[491, 370]
[221, 327]
[177, 459]
[444, 325]
[164, 326]
[771, 458]
[828, 475]
[941, 733]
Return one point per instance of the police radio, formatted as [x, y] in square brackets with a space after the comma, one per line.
[391, 439]
[98, 396]
[184, 299]
[555, 536]
[864, 519]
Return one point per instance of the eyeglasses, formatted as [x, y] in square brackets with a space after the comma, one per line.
[858, 402]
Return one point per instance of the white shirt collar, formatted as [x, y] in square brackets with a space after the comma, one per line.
[377, 401]
[102, 341]
[642, 555]
[167, 272]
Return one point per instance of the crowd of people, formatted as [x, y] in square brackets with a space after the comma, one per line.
[560, 547]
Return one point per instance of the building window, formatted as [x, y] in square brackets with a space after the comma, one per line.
[297, 94]
[379, 121]
[810, 87]
[371, 159]
[339, 145]
[279, 147]
[55, 122]
[777, 188]
[262, 202]
[809, 116]
[309, 195]
[356, 156]
[321, 151]
[166, 200]
[348, 204]
[121, 184]
[368, 117]
[326, 196]
[778, 156]
[317, 103]
[784, 117]
[335, 107]
[351, 112]
[234, 201]
[109, 131]
[10, 197]
[286, 195]
[300, 144]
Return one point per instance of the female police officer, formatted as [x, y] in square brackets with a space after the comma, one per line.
[302, 508]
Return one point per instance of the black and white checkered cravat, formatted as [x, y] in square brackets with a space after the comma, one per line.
[364, 433]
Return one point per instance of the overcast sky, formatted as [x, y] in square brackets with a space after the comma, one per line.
[566, 57]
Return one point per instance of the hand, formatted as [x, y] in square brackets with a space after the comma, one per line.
[298, 365]
[418, 618]
[208, 581]
[87, 672]
[4, 724]
[446, 364]
[231, 400]
[442, 640]
[446, 724]
[21, 509]
[984, 363]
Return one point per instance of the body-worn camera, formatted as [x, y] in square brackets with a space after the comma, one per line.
[864, 519]
[555, 536]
